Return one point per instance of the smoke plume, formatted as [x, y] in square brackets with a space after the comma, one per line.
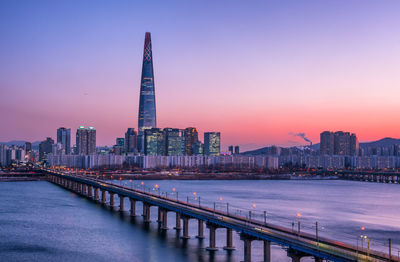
[302, 135]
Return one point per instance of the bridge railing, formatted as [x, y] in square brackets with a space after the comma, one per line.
[316, 233]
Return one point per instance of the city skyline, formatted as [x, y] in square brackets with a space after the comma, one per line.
[337, 74]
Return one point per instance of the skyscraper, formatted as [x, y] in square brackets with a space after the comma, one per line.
[338, 143]
[64, 138]
[81, 141]
[130, 141]
[45, 147]
[91, 140]
[154, 142]
[212, 143]
[85, 141]
[147, 101]
[174, 142]
[191, 138]
[327, 143]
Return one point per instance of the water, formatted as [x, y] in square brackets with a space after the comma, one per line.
[40, 221]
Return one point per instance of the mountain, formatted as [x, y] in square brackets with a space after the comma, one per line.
[384, 142]
[20, 143]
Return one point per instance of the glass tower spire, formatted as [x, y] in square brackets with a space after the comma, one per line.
[147, 102]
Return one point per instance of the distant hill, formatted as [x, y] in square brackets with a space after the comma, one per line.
[384, 142]
[20, 143]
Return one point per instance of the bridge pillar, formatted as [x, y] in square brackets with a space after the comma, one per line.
[111, 199]
[267, 251]
[103, 197]
[146, 213]
[165, 219]
[121, 203]
[160, 215]
[212, 230]
[133, 207]
[200, 233]
[247, 247]
[178, 222]
[84, 189]
[90, 191]
[96, 194]
[185, 227]
[229, 241]
[295, 255]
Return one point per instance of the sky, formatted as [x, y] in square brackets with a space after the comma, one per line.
[257, 71]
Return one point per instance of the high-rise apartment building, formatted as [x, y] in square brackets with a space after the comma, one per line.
[174, 142]
[338, 143]
[131, 139]
[191, 138]
[64, 139]
[237, 150]
[212, 143]
[154, 142]
[45, 147]
[81, 141]
[147, 101]
[85, 141]
[327, 143]
[28, 147]
[91, 140]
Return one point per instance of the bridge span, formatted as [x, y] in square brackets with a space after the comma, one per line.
[298, 244]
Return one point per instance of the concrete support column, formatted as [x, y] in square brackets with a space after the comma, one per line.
[212, 246]
[160, 216]
[111, 199]
[103, 197]
[121, 203]
[200, 233]
[133, 207]
[247, 249]
[84, 189]
[185, 227]
[165, 219]
[229, 240]
[96, 194]
[90, 191]
[267, 251]
[146, 213]
[178, 222]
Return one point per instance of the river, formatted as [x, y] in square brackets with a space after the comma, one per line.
[40, 221]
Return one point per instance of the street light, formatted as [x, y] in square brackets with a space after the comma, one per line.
[298, 223]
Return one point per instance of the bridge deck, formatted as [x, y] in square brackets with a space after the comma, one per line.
[301, 241]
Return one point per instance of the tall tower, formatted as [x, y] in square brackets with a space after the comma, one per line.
[64, 138]
[147, 102]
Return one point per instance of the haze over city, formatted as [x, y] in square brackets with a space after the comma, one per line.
[257, 73]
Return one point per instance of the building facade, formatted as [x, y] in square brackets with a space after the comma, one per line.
[131, 139]
[174, 142]
[212, 143]
[147, 100]
[85, 141]
[191, 138]
[64, 139]
[154, 142]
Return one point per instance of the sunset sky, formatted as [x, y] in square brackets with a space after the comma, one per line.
[253, 70]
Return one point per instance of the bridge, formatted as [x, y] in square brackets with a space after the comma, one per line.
[298, 244]
[366, 176]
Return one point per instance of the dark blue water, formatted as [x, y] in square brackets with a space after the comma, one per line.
[40, 221]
